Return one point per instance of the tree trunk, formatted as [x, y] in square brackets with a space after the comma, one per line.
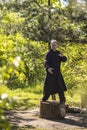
[49, 16]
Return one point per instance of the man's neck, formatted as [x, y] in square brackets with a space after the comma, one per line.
[53, 50]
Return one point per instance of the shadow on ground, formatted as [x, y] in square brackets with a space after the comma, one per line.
[29, 119]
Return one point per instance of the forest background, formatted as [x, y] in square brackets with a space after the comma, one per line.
[26, 28]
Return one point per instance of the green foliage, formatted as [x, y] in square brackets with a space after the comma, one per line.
[22, 59]
[4, 124]
[21, 98]
[50, 20]
[75, 68]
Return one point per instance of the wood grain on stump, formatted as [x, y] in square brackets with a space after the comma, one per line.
[52, 110]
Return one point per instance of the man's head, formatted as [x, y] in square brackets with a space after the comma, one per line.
[53, 44]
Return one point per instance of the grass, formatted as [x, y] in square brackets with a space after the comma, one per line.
[30, 97]
[24, 98]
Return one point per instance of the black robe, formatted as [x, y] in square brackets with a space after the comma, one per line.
[54, 82]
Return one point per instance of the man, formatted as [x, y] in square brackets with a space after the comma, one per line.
[54, 82]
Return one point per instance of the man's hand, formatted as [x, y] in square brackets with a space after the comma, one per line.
[61, 54]
[50, 70]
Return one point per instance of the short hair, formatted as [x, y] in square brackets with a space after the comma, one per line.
[52, 41]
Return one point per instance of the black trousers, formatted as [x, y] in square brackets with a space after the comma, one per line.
[61, 96]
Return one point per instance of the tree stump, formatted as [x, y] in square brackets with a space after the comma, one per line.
[52, 110]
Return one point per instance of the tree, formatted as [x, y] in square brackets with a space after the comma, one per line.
[36, 21]
[76, 12]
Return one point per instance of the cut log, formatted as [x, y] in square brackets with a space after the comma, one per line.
[84, 100]
[73, 110]
[52, 110]
[84, 103]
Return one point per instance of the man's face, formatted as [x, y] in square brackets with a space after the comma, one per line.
[53, 45]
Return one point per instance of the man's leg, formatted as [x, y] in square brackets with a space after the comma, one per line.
[45, 97]
[61, 97]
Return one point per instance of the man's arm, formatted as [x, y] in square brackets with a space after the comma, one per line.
[62, 57]
[47, 64]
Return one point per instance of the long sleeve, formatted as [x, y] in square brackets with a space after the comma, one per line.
[63, 59]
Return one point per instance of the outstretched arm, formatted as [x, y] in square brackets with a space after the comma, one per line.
[62, 57]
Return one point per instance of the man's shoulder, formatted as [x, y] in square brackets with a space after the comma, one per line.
[49, 53]
[57, 51]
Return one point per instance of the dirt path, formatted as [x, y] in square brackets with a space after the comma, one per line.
[29, 119]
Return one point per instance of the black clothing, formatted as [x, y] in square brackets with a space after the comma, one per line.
[61, 97]
[54, 83]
